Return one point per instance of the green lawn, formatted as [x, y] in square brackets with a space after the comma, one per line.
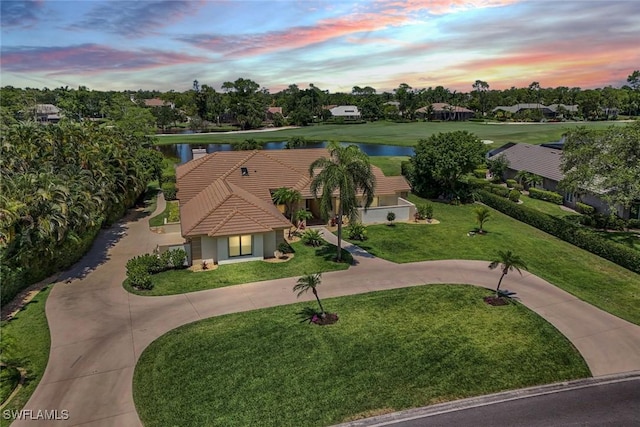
[587, 276]
[306, 260]
[546, 207]
[171, 213]
[390, 165]
[389, 351]
[29, 332]
[407, 134]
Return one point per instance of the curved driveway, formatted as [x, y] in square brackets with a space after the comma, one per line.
[98, 330]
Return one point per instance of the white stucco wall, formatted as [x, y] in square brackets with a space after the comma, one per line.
[403, 209]
[209, 249]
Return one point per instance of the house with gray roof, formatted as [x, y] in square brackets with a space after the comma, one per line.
[546, 161]
[346, 112]
[549, 111]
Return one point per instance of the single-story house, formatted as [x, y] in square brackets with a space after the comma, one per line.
[272, 111]
[47, 113]
[226, 208]
[549, 111]
[347, 112]
[545, 161]
[157, 102]
[444, 111]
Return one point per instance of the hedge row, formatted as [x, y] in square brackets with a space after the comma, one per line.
[585, 209]
[548, 196]
[169, 190]
[140, 268]
[567, 231]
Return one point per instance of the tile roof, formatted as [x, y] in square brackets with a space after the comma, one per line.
[536, 159]
[217, 200]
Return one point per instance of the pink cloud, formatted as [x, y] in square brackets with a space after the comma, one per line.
[440, 7]
[88, 58]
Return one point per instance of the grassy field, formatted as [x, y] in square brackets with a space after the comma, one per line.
[626, 238]
[546, 207]
[406, 134]
[587, 276]
[389, 351]
[171, 213]
[29, 332]
[306, 260]
[390, 165]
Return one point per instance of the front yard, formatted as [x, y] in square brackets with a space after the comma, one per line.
[587, 276]
[305, 260]
[389, 351]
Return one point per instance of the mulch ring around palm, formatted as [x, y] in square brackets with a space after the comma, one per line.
[328, 319]
[496, 301]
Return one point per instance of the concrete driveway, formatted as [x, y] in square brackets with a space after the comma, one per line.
[98, 330]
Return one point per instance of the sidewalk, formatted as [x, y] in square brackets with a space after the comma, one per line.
[98, 330]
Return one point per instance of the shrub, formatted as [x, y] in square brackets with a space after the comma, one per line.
[311, 238]
[584, 208]
[548, 196]
[480, 173]
[424, 211]
[357, 231]
[633, 223]
[514, 196]
[391, 216]
[139, 278]
[177, 257]
[170, 191]
[567, 231]
[519, 187]
[511, 183]
[499, 190]
[166, 178]
[285, 248]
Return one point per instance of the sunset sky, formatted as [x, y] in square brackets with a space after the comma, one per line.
[335, 45]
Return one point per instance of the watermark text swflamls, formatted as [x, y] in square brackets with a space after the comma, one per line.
[36, 415]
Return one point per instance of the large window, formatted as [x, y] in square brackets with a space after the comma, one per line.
[240, 245]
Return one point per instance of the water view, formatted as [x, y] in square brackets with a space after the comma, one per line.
[184, 153]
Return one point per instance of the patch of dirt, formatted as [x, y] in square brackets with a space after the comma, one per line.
[198, 267]
[283, 258]
[496, 301]
[328, 319]
[425, 221]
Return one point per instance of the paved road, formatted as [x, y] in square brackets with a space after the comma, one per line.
[98, 330]
[611, 404]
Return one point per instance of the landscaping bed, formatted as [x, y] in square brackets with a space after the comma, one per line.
[306, 259]
[589, 277]
[390, 351]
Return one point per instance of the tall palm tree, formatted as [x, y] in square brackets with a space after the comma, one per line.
[306, 282]
[347, 171]
[508, 261]
[482, 215]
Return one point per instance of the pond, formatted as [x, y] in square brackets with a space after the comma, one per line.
[184, 153]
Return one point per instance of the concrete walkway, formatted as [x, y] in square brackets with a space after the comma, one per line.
[98, 330]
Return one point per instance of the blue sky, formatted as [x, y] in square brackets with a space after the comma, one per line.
[164, 45]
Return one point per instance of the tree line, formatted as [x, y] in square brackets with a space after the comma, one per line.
[60, 184]
[243, 102]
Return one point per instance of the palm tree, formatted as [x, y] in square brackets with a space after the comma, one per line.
[306, 282]
[482, 215]
[300, 216]
[287, 197]
[508, 261]
[346, 171]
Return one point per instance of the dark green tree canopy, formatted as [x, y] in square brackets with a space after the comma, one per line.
[607, 162]
[441, 160]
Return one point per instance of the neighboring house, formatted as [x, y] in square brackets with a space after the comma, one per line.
[549, 111]
[546, 161]
[157, 102]
[347, 112]
[226, 210]
[444, 111]
[47, 113]
[271, 111]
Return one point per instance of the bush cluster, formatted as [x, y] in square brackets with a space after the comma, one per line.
[567, 231]
[140, 268]
[480, 173]
[511, 183]
[170, 191]
[499, 190]
[585, 209]
[311, 238]
[514, 195]
[357, 231]
[424, 211]
[545, 195]
[633, 223]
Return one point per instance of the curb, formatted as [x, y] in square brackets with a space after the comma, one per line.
[490, 399]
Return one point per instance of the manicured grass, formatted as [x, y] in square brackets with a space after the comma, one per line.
[407, 134]
[546, 207]
[171, 213]
[390, 165]
[306, 260]
[389, 351]
[29, 332]
[587, 276]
